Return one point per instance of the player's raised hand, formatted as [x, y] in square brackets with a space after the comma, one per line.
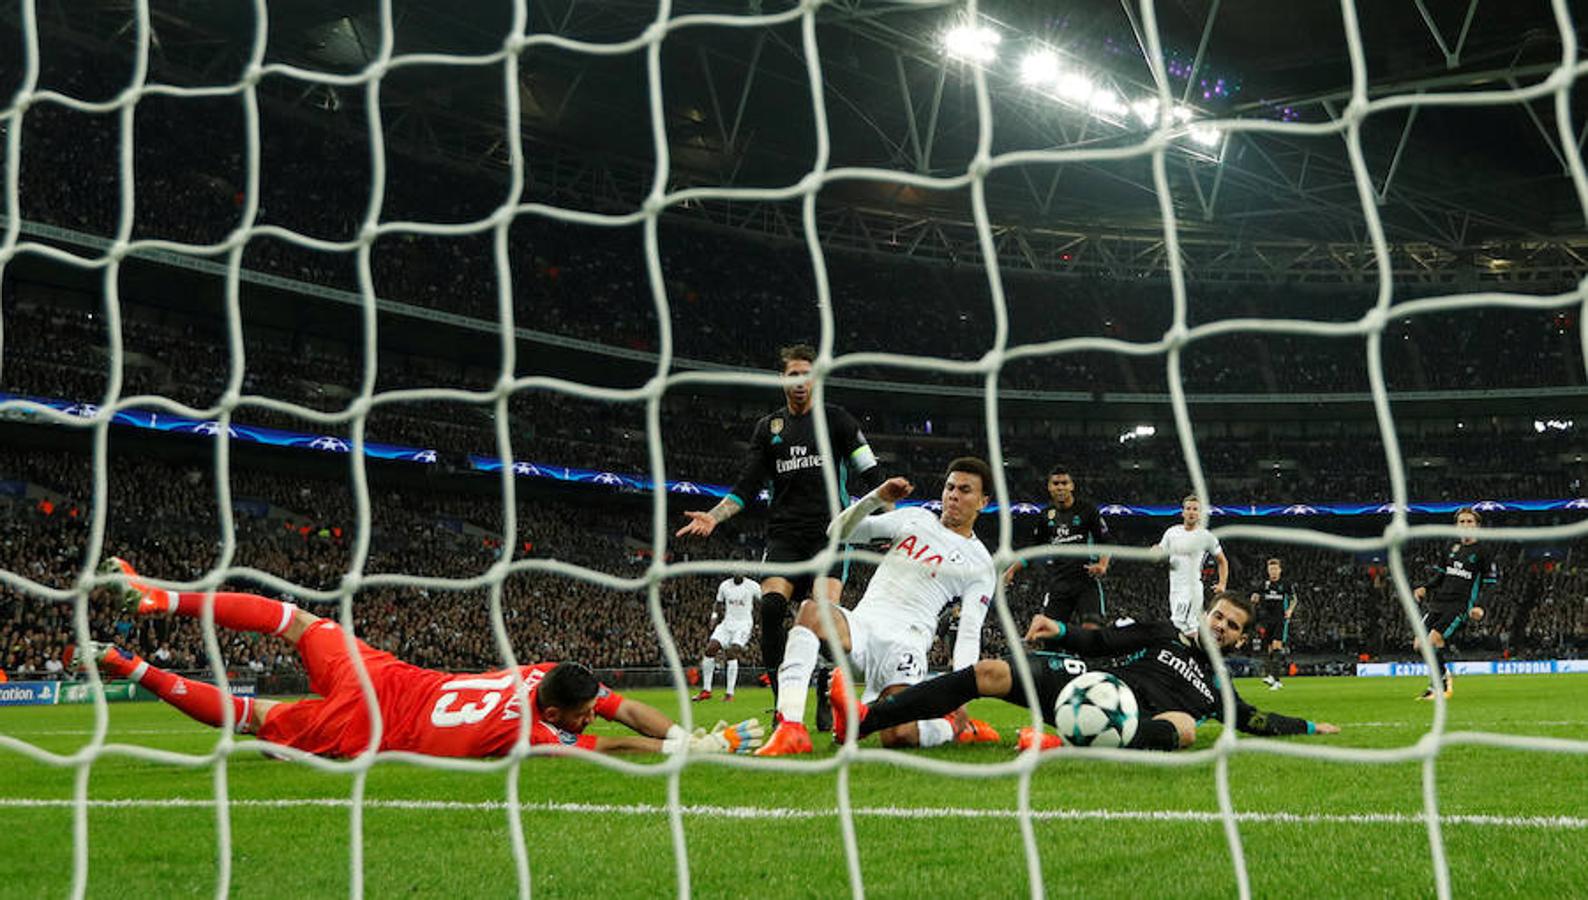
[701, 524]
[895, 489]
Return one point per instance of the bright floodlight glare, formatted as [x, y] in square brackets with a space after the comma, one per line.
[1146, 111]
[1204, 135]
[1075, 86]
[1106, 101]
[972, 42]
[1040, 67]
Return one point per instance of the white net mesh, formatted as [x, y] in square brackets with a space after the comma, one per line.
[519, 41]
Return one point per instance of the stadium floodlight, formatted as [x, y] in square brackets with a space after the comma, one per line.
[972, 43]
[1140, 431]
[1075, 87]
[1106, 102]
[1039, 68]
[1146, 110]
[1205, 135]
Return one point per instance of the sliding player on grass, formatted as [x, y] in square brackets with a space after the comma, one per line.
[930, 561]
[422, 710]
[1168, 671]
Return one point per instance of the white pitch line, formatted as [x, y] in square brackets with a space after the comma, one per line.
[1424, 726]
[67, 732]
[1573, 823]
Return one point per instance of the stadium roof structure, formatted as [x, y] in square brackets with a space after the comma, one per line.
[1466, 193]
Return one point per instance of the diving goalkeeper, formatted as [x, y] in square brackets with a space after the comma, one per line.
[421, 710]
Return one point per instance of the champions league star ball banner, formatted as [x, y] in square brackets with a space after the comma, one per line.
[639, 483]
[250, 434]
[1477, 667]
[275, 437]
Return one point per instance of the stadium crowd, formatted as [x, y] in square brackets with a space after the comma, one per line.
[703, 436]
[300, 529]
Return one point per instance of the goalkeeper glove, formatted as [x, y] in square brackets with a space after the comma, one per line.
[741, 737]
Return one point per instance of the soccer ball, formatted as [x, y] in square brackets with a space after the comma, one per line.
[1096, 710]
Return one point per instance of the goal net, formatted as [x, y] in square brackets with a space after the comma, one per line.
[1164, 136]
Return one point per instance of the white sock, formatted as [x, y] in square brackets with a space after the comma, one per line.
[794, 676]
[708, 668]
[733, 675]
[935, 732]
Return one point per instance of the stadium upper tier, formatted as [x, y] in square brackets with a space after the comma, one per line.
[730, 297]
[1463, 454]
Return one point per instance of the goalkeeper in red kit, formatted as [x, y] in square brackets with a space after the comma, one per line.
[421, 710]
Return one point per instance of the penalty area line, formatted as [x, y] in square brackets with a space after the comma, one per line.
[1573, 823]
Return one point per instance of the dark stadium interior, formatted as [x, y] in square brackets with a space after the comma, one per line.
[1277, 418]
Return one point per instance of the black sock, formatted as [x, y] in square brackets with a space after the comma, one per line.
[927, 700]
[824, 710]
[774, 609]
[1156, 734]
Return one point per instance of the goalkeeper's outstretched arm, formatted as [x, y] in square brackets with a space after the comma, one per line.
[659, 734]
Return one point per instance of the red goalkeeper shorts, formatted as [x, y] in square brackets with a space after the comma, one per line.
[337, 723]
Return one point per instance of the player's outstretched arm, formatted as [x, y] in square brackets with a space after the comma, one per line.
[702, 524]
[1095, 642]
[659, 734]
[845, 523]
[1251, 720]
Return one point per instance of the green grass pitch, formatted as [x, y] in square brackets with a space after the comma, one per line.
[1353, 828]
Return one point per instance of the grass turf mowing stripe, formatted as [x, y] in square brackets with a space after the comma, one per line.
[876, 812]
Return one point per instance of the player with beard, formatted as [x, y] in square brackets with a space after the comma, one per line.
[1168, 670]
[1452, 594]
[783, 451]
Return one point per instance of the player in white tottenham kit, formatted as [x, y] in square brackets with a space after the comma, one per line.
[931, 561]
[733, 613]
[1186, 544]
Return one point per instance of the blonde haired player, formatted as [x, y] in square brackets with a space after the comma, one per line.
[1187, 543]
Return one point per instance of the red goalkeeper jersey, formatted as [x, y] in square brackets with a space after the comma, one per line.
[473, 715]
[422, 710]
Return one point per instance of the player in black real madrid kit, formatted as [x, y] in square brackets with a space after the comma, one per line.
[1071, 585]
[783, 452]
[1276, 603]
[1451, 596]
